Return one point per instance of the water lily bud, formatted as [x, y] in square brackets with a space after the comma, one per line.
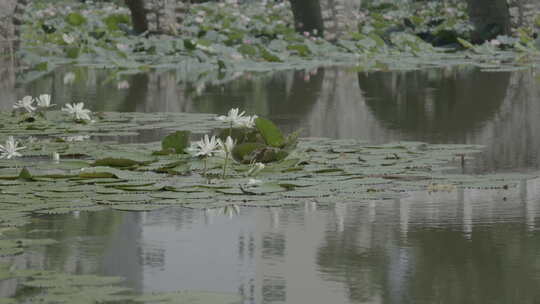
[55, 157]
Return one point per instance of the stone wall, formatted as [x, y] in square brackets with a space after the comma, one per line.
[523, 13]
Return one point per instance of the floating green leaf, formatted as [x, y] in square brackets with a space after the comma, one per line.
[75, 19]
[270, 132]
[243, 151]
[177, 141]
[115, 162]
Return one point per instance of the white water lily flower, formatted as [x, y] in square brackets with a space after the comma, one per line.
[44, 101]
[246, 122]
[69, 78]
[205, 147]
[122, 47]
[78, 111]
[254, 182]
[76, 138]
[55, 157]
[10, 149]
[25, 103]
[68, 38]
[226, 146]
[233, 116]
[256, 168]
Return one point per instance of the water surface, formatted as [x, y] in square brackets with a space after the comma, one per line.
[462, 246]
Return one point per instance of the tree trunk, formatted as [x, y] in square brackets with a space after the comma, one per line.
[490, 18]
[158, 16]
[328, 18]
[138, 15]
[307, 16]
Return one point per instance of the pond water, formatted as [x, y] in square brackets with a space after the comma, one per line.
[461, 246]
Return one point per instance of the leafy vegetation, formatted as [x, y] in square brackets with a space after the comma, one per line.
[260, 36]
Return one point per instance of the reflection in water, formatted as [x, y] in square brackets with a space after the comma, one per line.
[463, 246]
[441, 105]
[103, 243]
[452, 105]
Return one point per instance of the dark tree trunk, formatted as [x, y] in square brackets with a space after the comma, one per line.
[307, 16]
[138, 15]
[490, 18]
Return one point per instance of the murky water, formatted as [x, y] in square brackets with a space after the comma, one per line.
[463, 246]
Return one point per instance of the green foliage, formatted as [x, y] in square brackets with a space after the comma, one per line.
[466, 44]
[232, 39]
[72, 52]
[270, 132]
[115, 162]
[114, 20]
[301, 49]
[247, 50]
[176, 142]
[190, 45]
[243, 152]
[240, 135]
[75, 19]
[268, 55]
[25, 175]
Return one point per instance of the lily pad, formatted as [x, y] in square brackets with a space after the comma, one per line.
[270, 132]
[177, 142]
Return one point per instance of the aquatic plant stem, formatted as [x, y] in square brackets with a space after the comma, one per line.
[204, 168]
[225, 165]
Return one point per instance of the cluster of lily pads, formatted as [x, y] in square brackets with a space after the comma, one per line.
[217, 171]
[30, 108]
[249, 140]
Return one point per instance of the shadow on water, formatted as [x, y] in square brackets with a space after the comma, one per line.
[439, 105]
[462, 246]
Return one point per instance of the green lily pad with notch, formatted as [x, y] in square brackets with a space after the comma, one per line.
[269, 132]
